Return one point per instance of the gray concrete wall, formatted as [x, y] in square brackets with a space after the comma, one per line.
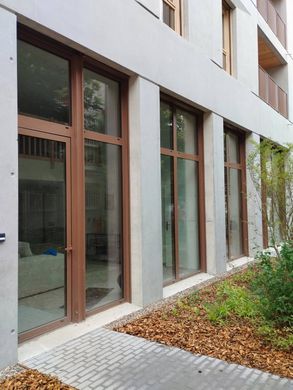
[214, 193]
[154, 6]
[8, 191]
[145, 192]
[254, 205]
[142, 44]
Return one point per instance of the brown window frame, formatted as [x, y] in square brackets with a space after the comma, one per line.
[241, 166]
[175, 154]
[176, 7]
[74, 135]
[227, 37]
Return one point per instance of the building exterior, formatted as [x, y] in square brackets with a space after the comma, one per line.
[125, 130]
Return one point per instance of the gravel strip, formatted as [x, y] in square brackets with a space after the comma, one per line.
[171, 300]
[10, 371]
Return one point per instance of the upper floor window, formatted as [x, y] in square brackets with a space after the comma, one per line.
[43, 84]
[226, 33]
[172, 14]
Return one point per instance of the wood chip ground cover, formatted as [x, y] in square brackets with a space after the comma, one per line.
[33, 380]
[185, 324]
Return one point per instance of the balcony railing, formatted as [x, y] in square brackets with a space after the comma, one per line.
[273, 19]
[271, 93]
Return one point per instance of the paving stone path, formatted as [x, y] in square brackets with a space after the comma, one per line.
[107, 360]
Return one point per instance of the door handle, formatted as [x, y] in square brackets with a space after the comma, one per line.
[68, 249]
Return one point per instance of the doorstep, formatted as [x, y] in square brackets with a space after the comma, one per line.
[48, 341]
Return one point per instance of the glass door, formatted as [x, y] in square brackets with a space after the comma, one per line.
[44, 230]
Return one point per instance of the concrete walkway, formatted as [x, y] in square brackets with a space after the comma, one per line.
[103, 359]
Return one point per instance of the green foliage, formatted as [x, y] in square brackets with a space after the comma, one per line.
[193, 298]
[267, 331]
[273, 284]
[231, 300]
[271, 170]
[244, 277]
[185, 305]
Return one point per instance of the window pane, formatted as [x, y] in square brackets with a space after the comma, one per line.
[168, 15]
[233, 148]
[104, 272]
[235, 225]
[42, 232]
[167, 217]
[101, 104]
[166, 126]
[188, 223]
[43, 84]
[186, 132]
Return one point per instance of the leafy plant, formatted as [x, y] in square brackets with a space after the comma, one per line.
[271, 171]
[273, 284]
[231, 300]
[283, 341]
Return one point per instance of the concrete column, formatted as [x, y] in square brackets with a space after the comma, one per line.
[254, 213]
[145, 192]
[9, 189]
[214, 193]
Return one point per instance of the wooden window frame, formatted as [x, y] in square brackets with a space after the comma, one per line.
[74, 135]
[175, 154]
[176, 6]
[241, 166]
[227, 37]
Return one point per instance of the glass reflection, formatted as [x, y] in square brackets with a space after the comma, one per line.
[235, 225]
[104, 272]
[186, 132]
[101, 104]
[43, 84]
[166, 126]
[167, 218]
[188, 223]
[42, 232]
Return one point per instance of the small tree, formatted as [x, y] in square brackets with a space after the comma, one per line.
[271, 170]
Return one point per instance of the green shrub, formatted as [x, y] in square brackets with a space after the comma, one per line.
[273, 284]
[231, 300]
[269, 333]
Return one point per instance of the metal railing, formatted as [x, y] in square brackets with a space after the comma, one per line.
[273, 19]
[272, 94]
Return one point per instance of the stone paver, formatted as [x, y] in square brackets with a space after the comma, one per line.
[103, 359]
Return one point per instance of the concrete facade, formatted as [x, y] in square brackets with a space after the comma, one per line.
[8, 192]
[130, 36]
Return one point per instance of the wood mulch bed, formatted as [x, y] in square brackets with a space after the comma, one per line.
[235, 341]
[33, 380]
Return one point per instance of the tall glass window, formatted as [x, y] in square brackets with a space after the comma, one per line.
[235, 207]
[103, 190]
[180, 162]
